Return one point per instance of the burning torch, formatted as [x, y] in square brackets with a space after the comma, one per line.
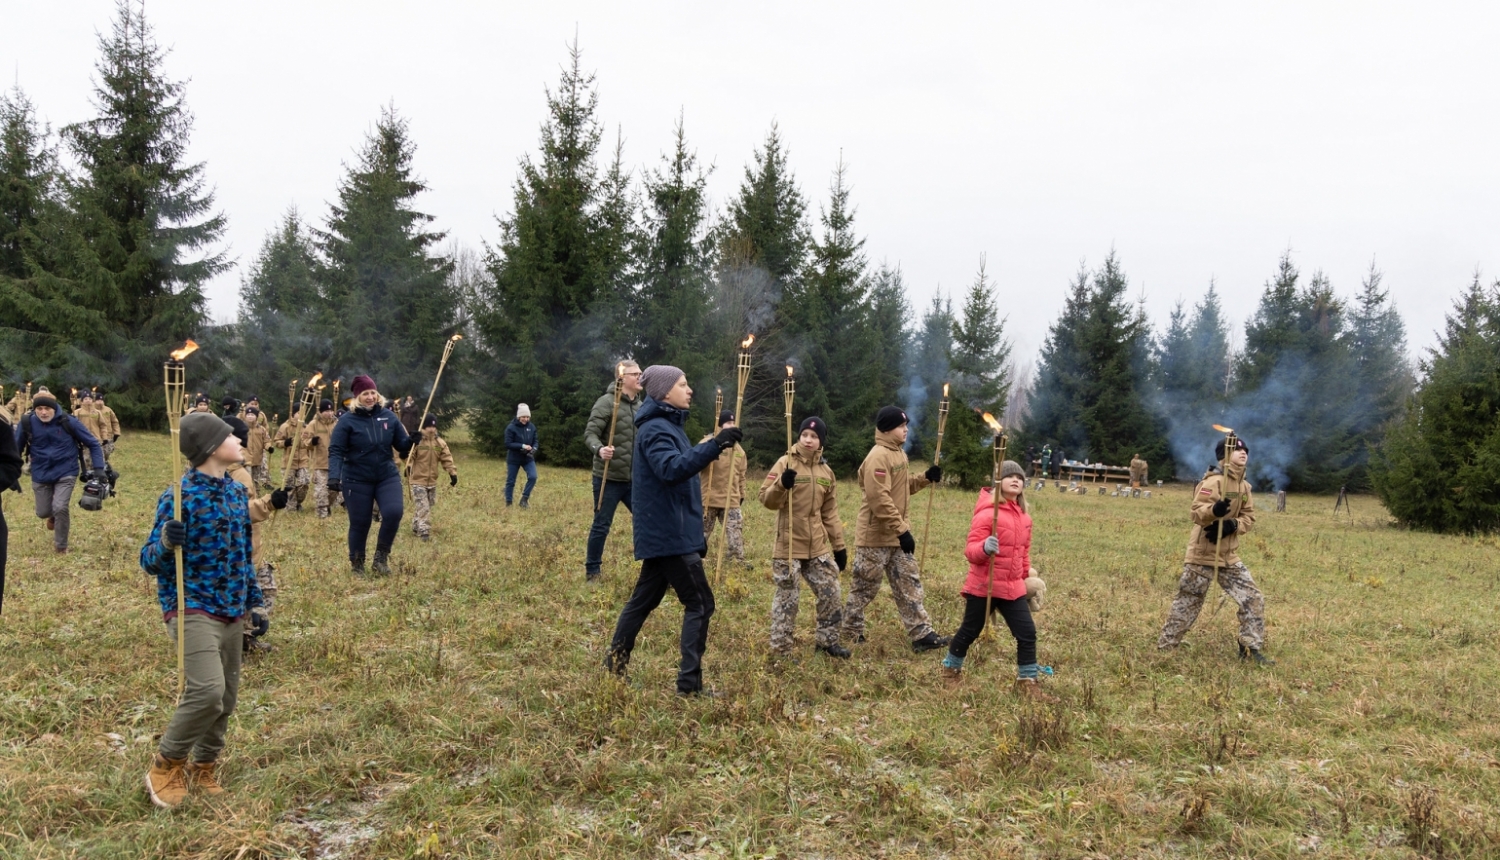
[447, 351]
[1230, 442]
[937, 459]
[304, 410]
[742, 369]
[613, 414]
[719, 408]
[788, 394]
[997, 449]
[174, 381]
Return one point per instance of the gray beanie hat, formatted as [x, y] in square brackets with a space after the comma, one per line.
[202, 433]
[1011, 467]
[658, 379]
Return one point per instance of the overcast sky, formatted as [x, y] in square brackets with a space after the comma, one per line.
[1197, 140]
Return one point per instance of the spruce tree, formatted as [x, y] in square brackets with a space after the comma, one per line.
[139, 240]
[388, 307]
[281, 333]
[890, 313]
[1377, 345]
[1192, 363]
[30, 213]
[1438, 467]
[1062, 389]
[978, 360]
[551, 315]
[928, 371]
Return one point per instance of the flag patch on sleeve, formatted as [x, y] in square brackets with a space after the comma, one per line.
[880, 473]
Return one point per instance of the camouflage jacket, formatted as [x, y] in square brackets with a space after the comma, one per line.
[218, 571]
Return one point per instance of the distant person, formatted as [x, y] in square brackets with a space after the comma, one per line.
[669, 541]
[428, 458]
[1222, 510]
[231, 416]
[315, 439]
[203, 404]
[361, 466]
[256, 454]
[1137, 472]
[411, 415]
[109, 425]
[520, 454]
[1059, 459]
[53, 439]
[724, 495]
[611, 486]
[10, 479]
[1044, 466]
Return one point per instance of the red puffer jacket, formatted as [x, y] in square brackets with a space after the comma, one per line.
[1011, 562]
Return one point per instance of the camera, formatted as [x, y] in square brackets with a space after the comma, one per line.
[97, 489]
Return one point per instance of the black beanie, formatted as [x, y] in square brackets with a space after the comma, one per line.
[325, 405]
[889, 418]
[1239, 445]
[229, 404]
[818, 426]
[430, 421]
[45, 400]
[726, 417]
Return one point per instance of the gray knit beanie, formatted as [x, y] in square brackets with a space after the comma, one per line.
[1011, 467]
[658, 379]
[201, 434]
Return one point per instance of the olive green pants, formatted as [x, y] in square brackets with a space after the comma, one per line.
[213, 686]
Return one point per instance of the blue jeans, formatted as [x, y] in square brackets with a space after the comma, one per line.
[510, 479]
[615, 493]
[360, 499]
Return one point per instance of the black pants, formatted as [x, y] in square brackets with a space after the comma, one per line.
[360, 499]
[1017, 615]
[4, 548]
[684, 574]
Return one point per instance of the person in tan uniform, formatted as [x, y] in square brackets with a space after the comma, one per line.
[315, 441]
[1222, 510]
[1137, 472]
[428, 456]
[109, 424]
[261, 508]
[293, 468]
[255, 449]
[883, 539]
[802, 489]
[87, 415]
[724, 495]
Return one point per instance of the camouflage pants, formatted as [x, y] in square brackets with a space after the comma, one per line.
[109, 449]
[1191, 589]
[822, 577]
[299, 490]
[734, 532]
[422, 500]
[901, 571]
[265, 576]
[260, 476]
[320, 492]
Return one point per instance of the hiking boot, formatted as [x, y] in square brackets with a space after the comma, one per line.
[1031, 688]
[381, 565]
[834, 650]
[700, 693]
[749, 565]
[525, 504]
[591, 577]
[62, 550]
[1253, 654]
[200, 775]
[930, 642]
[253, 645]
[51, 523]
[357, 565]
[166, 781]
[616, 662]
[950, 677]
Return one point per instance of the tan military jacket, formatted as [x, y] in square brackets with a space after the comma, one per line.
[1137, 470]
[260, 509]
[320, 427]
[285, 433]
[812, 522]
[728, 473]
[88, 416]
[887, 484]
[1208, 492]
[427, 456]
[255, 449]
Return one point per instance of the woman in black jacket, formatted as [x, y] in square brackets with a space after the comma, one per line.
[10, 479]
[360, 466]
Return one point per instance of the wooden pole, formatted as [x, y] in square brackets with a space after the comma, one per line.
[174, 381]
[937, 458]
[719, 407]
[742, 374]
[613, 414]
[788, 394]
[998, 449]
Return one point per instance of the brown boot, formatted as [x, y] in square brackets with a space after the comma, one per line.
[951, 677]
[166, 781]
[200, 775]
[1030, 688]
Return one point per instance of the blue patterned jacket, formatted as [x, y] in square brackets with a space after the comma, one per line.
[218, 573]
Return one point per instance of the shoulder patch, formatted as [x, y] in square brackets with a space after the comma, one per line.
[1205, 492]
[880, 473]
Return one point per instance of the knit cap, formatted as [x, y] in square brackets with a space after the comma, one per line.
[229, 404]
[362, 384]
[889, 418]
[201, 434]
[429, 421]
[1239, 445]
[46, 400]
[658, 380]
[726, 417]
[325, 405]
[1011, 467]
[523, 411]
[818, 426]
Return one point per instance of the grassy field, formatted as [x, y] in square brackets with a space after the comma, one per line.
[457, 709]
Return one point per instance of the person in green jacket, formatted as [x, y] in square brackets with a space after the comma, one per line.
[616, 452]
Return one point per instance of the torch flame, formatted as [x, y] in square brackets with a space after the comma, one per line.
[188, 349]
[1222, 429]
[317, 377]
[747, 342]
[456, 338]
[619, 370]
[788, 371]
[994, 425]
[945, 389]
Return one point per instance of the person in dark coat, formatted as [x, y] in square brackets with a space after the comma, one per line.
[52, 438]
[237, 425]
[411, 415]
[520, 453]
[668, 529]
[10, 479]
[361, 467]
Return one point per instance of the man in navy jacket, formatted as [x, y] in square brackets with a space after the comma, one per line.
[52, 437]
[669, 523]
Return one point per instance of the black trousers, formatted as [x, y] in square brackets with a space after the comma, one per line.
[1017, 615]
[360, 499]
[4, 549]
[684, 575]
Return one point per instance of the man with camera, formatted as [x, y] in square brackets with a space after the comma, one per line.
[54, 440]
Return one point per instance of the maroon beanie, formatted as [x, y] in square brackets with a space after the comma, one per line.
[362, 383]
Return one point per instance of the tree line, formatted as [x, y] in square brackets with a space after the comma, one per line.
[103, 262]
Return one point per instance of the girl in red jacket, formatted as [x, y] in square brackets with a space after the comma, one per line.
[999, 553]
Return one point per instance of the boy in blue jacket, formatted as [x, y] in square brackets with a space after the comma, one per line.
[668, 530]
[220, 590]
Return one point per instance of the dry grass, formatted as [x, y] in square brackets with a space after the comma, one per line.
[458, 708]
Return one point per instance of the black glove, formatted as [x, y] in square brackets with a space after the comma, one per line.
[934, 474]
[788, 478]
[313, 442]
[88, 476]
[279, 499]
[260, 624]
[286, 444]
[173, 534]
[116, 439]
[335, 486]
[1222, 528]
[729, 437]
[452, 480]
[1221, 507]
[841, 558]
[908, 543]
